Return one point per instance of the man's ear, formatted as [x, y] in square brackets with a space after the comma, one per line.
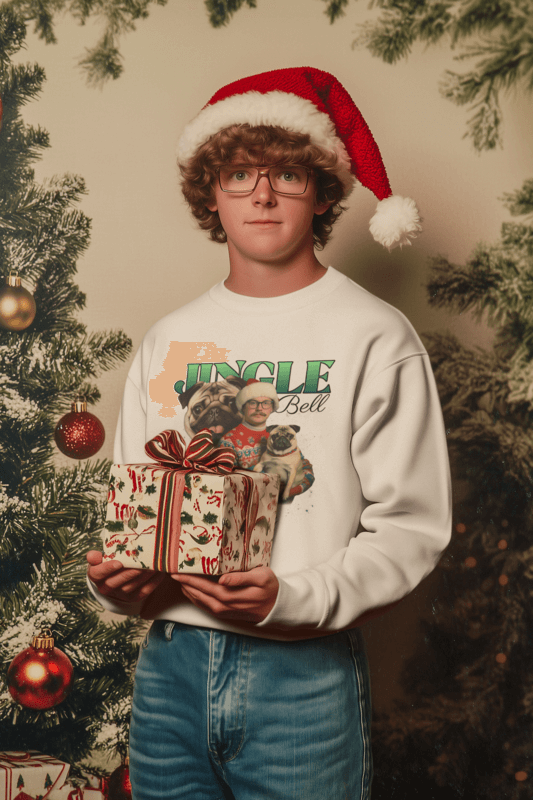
[321, 209]
[212, 205]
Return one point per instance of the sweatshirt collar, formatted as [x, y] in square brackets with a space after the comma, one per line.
[274, 305]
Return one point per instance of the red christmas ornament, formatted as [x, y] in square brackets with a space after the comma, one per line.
[119, 786]
[41, 676]
[79, 434]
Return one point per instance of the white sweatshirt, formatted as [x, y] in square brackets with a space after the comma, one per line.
[352, 374]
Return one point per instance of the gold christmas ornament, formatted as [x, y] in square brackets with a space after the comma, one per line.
[17, 305]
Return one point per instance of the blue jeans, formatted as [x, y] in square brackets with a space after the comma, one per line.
[220, 716]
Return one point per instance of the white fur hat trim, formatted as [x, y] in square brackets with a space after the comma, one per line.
[283, 109]
[253, 389]
[396, 222]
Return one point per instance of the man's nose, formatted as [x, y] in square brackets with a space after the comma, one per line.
[263, 192]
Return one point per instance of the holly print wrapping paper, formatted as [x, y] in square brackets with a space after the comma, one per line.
[180, 518]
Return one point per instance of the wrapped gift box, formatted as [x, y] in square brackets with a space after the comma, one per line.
[70, 792]
[190, 512]
[86, 787]
[29, 773]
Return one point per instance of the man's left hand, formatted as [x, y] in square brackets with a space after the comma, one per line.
[242, 596]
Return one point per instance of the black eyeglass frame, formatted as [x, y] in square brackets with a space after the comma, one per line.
[264, 172]
[256, 404]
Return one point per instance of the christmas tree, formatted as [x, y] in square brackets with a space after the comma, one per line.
[466, 728]
[49, 517]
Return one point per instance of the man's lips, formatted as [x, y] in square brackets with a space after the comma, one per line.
[264, 222]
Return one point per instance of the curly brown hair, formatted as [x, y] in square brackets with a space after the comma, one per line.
[264, 144]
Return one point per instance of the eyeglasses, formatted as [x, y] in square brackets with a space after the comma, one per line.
[283, 178]
[263, 404]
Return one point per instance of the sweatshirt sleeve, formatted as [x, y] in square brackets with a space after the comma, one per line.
[130, 436]
[126, 609]
[399, 452]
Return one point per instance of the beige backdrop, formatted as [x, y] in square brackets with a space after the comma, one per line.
[146, 257]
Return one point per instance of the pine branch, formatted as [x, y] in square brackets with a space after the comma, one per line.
[102, 62]
[487, 15]
[20, 84]
[12, 33]
[503, 63]
[107, 349]
[521, 201]
[504, 51]
[335, 9]
[22, 210]
[67, 498]
[467, 379]
[391, 40]
[504, 454]
[23, 147]
[220, 12]
[484, 127]
[53, 369]
[491, 283]
[464, 288]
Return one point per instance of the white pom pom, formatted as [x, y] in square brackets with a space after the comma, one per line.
[395, 222]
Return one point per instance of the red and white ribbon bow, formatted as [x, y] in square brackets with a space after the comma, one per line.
[200, 455]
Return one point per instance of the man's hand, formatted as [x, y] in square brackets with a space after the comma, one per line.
[120, 583]
[242, 596]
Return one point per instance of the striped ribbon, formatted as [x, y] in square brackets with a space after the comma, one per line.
[200, 455]
[250, 517]
[169, 450]
[168, 528]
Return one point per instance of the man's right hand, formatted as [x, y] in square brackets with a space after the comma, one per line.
[120, 583]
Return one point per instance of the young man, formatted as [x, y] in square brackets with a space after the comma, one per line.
[256, 685]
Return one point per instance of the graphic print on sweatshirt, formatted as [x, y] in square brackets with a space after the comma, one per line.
[235, 398]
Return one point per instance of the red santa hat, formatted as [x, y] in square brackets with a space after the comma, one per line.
[313, 102]
[253, 389]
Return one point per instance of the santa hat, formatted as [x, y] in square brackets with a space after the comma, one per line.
[310, 101]
[253, 389]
